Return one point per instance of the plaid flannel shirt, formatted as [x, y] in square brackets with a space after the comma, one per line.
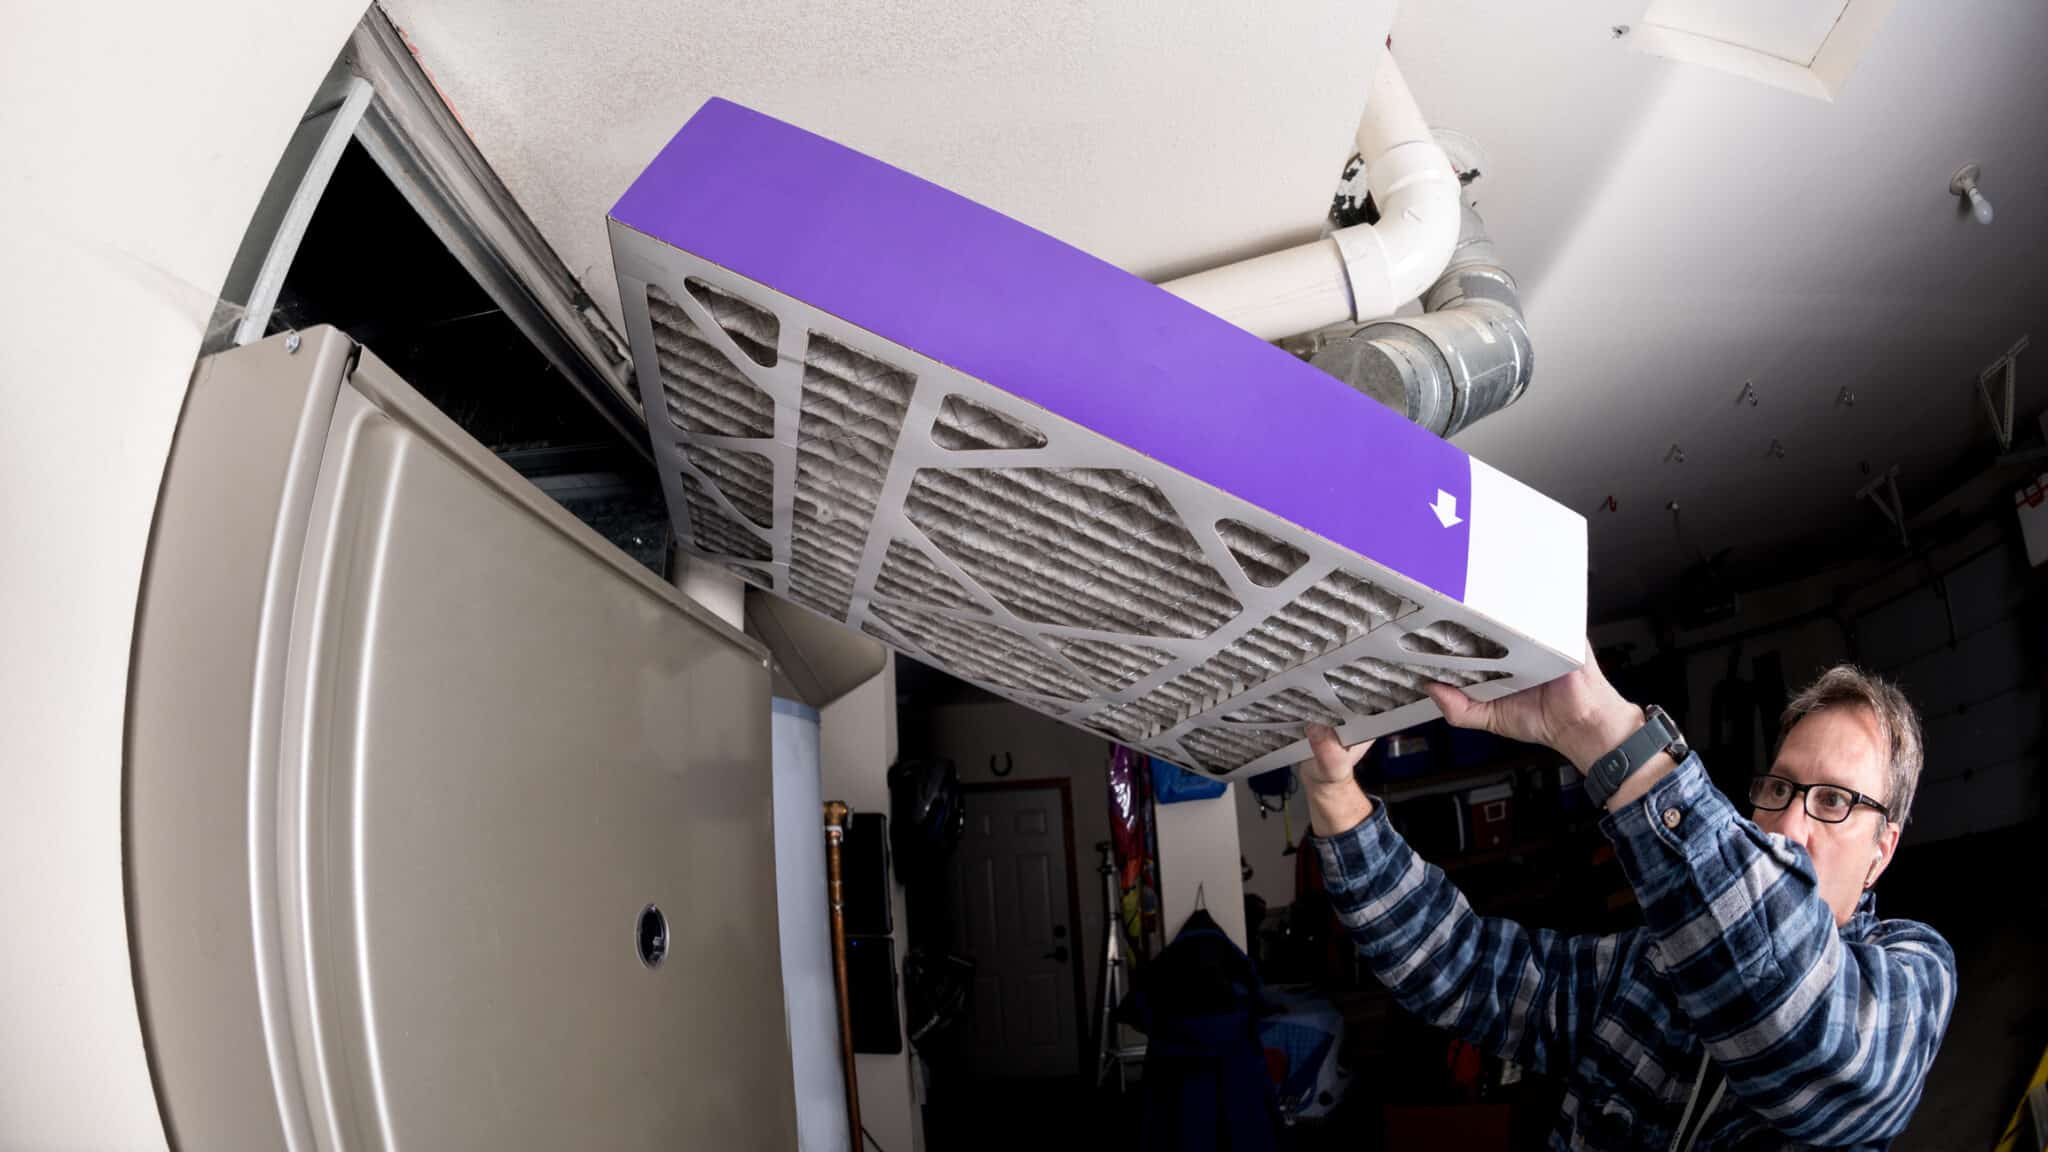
[1825, 1034]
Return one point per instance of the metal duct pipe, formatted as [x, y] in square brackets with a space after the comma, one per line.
[1466, 357]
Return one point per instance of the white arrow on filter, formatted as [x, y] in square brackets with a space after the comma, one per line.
[1446, 508]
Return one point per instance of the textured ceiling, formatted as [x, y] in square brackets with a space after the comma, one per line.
[1163, 137]
[1676, 231]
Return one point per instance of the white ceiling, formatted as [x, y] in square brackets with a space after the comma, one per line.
[1676, 230]
[1162, 136]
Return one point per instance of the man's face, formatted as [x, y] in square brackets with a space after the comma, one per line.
[1839, 746]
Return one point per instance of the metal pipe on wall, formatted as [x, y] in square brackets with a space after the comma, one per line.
[836, 813]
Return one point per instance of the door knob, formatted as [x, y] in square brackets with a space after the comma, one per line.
[1059, 954]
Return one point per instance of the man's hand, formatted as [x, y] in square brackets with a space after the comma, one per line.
[1580, 716]
[1333, 762]
[1335, 801]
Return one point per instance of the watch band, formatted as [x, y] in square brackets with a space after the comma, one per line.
[1658, 734]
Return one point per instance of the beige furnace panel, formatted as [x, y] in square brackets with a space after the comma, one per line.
[411, 754]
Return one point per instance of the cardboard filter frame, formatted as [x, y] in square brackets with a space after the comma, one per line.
[1017, 463]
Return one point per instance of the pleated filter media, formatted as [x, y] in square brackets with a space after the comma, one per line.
[1012, 461]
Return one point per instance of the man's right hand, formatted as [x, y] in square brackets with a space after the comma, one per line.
[1335, 801]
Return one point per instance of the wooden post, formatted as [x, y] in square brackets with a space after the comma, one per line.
[835, 834]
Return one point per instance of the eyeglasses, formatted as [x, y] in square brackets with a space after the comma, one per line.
[1827, 803]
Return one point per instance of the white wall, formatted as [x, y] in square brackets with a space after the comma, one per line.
[857, 743]
[1198, 860]
[138, 138]
[1262, 842]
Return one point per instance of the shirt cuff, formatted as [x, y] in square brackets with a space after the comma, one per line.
[1351, 858]
[1670, 828]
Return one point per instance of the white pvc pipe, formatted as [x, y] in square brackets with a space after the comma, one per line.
[1358, 273]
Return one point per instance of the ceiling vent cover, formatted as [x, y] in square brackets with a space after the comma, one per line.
[1012, 461]
[1804, 46]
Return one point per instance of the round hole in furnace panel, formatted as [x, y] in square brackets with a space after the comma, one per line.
[651, 936]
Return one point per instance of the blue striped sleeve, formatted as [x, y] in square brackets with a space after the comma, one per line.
[1516, 992]
[1828, 1038]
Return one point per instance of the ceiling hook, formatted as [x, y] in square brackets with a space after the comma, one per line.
[1883, 491]
[2006, 366]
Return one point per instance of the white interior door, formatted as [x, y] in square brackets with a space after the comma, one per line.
[1012, 915]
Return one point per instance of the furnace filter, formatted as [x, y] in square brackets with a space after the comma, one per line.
[1010, 460]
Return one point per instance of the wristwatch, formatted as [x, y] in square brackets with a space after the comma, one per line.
[1658, 734]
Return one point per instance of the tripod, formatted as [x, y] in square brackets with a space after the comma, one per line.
[1111, 985]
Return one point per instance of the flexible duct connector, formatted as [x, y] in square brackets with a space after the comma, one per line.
[1364, 271]
[1468, 356]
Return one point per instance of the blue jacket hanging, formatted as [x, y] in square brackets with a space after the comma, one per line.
[1206, 1088]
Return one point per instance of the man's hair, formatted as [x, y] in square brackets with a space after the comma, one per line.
[1898, 726]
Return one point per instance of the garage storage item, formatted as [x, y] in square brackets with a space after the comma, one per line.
[1407, 756]
[1491, 816]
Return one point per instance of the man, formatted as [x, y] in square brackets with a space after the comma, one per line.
[1762, 1004]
